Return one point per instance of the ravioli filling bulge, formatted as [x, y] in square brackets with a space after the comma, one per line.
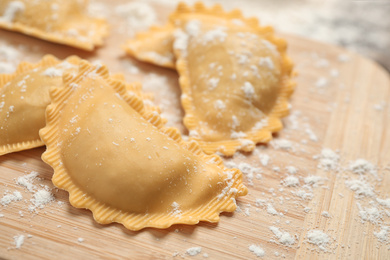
[234, 77]
[119, 158]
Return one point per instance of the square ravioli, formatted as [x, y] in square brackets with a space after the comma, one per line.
[65, 22]
[118, 160]
[24, 96]
[234, 75]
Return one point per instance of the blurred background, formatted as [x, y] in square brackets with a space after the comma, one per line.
[362, 26]
[359, 25]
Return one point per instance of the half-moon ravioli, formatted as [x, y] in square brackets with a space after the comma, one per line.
[234, 76]
[119, 161]
[64, 22]
[24, 96]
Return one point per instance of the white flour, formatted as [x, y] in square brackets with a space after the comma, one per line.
[18, 240]
[258, 251]
[362, 166]
[193, 251]
[8, 198]
[9, 58]
[139, 16]
[318, 238]
[328, 159]
[283, 237]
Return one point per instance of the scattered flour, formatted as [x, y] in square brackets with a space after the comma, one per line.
[237, 135]
[291, 181]
[313, 180]
[216, 34]
[294, 119]
[361, 188]
[282, 144]
[343, 58]
[271, 210]
[141, 16]
[27, 181]
[266, 62]
[291, 169]
[138, 16]
[249, 171]
[334, 73]
[18, 240]
[41, 198]
[213, 83]
[380, 106]
[371, 214]
[258, 251]
[321, 82]
[8, 198]
[8, 53]
[219, 104]
[264, 159]
[312, 136]
[329, 160]
[283, 237]
[246, 143]
[181, 41]
[361, 166]
[325, 214]
[13, 8]
[303, 194]
[9, 57]
[193, 29]
[165, 99]
[318, 238]
[383, 234]
[249, 90]
[6, 67]
[384, 202]
[193, 251]
[176, 211]
[52, 72]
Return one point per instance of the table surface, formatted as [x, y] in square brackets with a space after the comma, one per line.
[341, 102]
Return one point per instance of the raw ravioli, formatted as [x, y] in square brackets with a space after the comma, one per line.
[118, 160]
[235, 75]
[64, 22]
[24, 96]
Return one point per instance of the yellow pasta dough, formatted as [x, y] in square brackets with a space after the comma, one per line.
[24, 96]
[64, 22]
[118, 160]
[154, 46]
[234, 76]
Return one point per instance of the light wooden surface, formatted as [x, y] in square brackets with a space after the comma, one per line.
[341, 114]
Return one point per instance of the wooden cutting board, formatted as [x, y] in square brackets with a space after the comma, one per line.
[341, 98]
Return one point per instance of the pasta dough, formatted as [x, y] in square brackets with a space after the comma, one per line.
[234, 75]
[24, 96]
[118, 160]
[64, 22]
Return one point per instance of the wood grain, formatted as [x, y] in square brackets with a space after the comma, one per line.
[341, 114]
